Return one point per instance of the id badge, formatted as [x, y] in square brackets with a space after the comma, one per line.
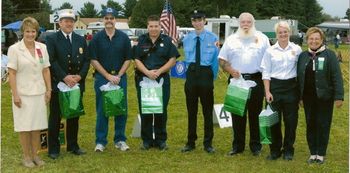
[320, 63]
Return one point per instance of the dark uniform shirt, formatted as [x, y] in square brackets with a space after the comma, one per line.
[110, 53]
[154, 56]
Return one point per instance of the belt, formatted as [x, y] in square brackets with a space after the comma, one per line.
[248, 76]
[192, 66]
[284, 80]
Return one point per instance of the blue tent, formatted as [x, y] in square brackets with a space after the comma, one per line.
[13, 26]
[16, 26]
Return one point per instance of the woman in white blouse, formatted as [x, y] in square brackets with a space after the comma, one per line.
[29, 78]
[279, 66]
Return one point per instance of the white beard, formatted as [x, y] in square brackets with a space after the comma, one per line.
[246, 35]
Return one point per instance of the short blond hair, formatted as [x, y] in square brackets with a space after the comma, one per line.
[282, 24]
[313, 30]
[29, 22]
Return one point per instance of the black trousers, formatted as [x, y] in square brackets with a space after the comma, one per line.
[154, 123]
[199, 86]
[285, 102]
[72, 126]
[254, 107]
[318, 115]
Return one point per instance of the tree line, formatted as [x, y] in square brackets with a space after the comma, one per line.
[307, 12]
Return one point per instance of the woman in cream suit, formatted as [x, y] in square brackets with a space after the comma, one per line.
[30, 83]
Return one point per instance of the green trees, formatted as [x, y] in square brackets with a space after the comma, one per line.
[66, 5]
[8, 11]
[128, 7]
[88, 11]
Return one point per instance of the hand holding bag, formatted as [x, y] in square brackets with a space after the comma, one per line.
[267, 118]
[237, 95]
[69, 101]
[113, 100]
[151, 96]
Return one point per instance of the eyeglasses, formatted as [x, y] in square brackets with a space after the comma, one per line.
[109, 18]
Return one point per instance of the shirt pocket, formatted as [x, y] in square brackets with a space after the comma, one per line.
[208, 53]
[189, 48]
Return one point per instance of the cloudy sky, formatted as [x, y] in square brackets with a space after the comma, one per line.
[332, 7]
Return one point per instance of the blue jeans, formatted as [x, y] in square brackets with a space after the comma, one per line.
[102, 120]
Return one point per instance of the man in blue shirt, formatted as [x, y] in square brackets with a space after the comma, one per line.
[154, 55]
[110, 51]
[201, 57]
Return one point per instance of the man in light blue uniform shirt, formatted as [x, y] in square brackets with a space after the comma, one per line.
[201, 57]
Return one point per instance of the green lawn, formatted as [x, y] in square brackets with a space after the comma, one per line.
[172, 160]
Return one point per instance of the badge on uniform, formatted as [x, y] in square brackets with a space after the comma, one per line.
[81, 50]
[293, 53]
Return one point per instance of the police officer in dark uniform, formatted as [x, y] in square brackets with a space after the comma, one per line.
[155, 54]
[69, 64]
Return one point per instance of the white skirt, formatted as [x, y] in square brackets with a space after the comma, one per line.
[32, 115]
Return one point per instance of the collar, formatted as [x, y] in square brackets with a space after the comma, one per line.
[23, 47]
[160, 37]
[277, 46]
[322, 48]
[105, 33]
[65, 35]
[201, 35]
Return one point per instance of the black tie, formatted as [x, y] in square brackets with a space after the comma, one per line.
[70, 43]
[198, 56]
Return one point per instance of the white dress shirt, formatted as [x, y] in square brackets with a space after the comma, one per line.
[245, 55]
[280, 63]
[65, 36]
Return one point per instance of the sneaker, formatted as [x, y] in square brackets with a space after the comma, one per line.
[99, 148]
[122, 146]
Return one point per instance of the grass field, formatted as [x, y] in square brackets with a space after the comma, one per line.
[172, 160]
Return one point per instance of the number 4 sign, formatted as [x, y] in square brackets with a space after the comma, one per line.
[221, 117]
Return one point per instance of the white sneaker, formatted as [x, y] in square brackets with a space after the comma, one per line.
[99, 148]
[122, 146]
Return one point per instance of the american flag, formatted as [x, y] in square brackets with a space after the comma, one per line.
[168, 23]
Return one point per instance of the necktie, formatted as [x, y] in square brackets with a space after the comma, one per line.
[198, 56]
[70, 43]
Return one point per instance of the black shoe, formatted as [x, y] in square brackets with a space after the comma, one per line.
[145, 146]
[163, 146]
[54, 156]
[78, 152]
[311, 160]
[273, 156]
[319, 161]
[209, 150]
[256, 152]
[187, 148]
[287, 156]
[234, 152]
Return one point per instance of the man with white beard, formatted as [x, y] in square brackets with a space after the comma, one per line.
[241, 55]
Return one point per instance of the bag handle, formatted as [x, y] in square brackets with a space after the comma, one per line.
[269, 107]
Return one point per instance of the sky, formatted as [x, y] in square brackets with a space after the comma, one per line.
[331, 7]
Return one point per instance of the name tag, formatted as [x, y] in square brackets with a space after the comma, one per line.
[320, 63]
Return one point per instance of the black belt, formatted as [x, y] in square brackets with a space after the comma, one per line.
[248, 76]
[192, 66]
[284, 80]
